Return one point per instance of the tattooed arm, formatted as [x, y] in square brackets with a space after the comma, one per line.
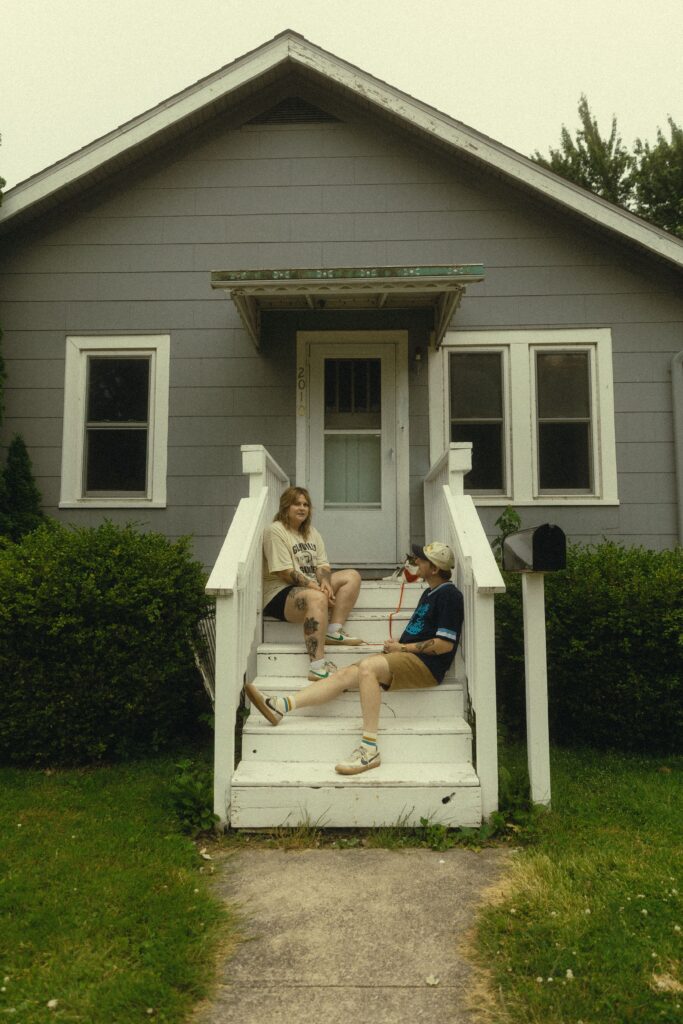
[296, 578]
[324, 576]
[435, 646]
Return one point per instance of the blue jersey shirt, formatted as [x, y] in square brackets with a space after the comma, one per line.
[439, 613]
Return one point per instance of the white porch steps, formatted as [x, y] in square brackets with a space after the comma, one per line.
[287, 775]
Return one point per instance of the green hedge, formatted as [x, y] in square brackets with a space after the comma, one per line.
[615, 649]
[95, 655]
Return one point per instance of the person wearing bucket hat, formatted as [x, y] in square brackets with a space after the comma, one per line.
[420, 658]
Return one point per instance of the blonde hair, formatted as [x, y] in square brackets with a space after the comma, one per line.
[287, 499]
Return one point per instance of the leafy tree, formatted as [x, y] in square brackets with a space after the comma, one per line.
[658, 180]
[20, 499]
[648, 181]
[602, 165]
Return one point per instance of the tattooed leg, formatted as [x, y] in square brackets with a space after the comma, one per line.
[309, 607]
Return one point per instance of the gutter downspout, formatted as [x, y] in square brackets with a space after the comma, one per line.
[677, 404]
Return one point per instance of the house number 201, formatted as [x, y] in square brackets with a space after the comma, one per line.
[301, 391]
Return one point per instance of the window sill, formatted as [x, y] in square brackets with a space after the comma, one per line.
[112, 503]
[571, 500]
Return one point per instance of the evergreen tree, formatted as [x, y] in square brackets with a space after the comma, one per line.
[602, 165]
[658, 180]
[19, 497]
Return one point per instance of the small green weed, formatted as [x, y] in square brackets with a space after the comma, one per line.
[191, 793]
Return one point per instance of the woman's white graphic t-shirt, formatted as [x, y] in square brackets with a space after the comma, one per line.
[285, 549]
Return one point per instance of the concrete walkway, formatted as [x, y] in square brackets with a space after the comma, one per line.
[336, 936]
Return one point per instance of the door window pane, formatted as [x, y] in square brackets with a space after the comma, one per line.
[477, 415]
[353, 394]
[353, 469]
[564, 421]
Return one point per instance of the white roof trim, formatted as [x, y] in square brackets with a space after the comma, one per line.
[289, 46]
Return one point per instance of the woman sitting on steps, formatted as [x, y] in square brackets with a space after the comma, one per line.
[299, 585]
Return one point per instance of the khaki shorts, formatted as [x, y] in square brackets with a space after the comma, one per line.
[408, 673]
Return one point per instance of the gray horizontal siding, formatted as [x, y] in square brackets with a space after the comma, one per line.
[137, 259]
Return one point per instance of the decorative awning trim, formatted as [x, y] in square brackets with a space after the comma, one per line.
[437, 287]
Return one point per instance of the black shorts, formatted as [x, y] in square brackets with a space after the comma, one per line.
[276, 606]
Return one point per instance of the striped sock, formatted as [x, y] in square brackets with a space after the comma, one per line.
[282, 704]
[370, 741]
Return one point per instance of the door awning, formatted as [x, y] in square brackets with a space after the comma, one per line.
[438, 288]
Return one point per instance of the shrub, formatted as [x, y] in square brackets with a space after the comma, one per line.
[19, 497]
[615, 649]
[95, 654]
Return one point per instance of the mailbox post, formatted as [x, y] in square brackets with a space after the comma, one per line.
[533, 553]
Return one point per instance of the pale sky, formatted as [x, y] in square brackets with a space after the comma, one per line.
[72, 70]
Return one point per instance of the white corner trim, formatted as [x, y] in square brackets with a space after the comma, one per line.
[677, 405]
[77, 350]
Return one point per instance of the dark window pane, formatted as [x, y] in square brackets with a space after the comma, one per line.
[360, 385]
[476, 385]
[352, 394]
[118, 390]
[564, 456]
[487, 454]
[375, 385]
[344, 373]
[563, 388]
[116, 460]
[330, 385]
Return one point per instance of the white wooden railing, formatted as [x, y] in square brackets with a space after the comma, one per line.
[235, 581]
[450, 516]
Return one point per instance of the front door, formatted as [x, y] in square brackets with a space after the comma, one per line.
[356, 433]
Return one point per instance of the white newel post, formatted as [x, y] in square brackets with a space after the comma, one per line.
[459, 463]
[536, 672]
[225, 704]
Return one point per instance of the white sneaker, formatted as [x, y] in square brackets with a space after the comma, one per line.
[361, 760]
[328, 669]
[264, 704]
[342, 639]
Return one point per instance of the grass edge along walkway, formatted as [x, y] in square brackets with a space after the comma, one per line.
[104, 906]
[588, 927]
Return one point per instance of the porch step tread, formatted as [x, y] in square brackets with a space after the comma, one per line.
[299, 726]
[361, 615]
[293, 683]
[296, 648]
[317, 774]
[431, 702]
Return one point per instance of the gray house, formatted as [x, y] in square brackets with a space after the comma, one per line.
[485, 298]
[295, 255]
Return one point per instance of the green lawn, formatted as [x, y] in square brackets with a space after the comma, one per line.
[104, 906]
[592, 927]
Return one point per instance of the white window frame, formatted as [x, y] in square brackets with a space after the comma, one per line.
[78, 348]
[520, 409]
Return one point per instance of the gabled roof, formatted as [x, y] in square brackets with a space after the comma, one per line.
[290, 52]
